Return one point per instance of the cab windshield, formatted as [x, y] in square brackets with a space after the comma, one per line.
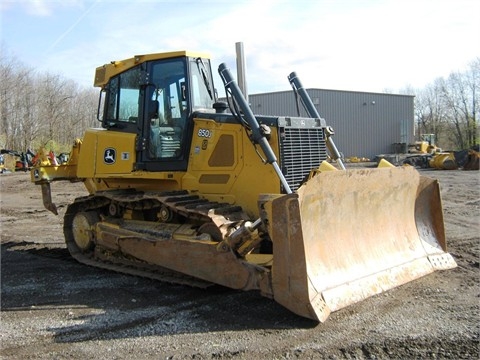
[202, 85]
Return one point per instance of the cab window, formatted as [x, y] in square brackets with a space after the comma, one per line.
[167, 112]
[123, 97]
[202, 91]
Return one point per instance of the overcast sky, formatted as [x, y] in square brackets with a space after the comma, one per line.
[363, 45]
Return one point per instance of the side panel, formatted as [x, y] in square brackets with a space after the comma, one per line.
[106, 152]
[223, 165]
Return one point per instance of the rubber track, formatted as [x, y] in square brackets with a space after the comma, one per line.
[190, 206]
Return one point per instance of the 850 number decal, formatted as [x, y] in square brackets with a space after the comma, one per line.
[204, 133]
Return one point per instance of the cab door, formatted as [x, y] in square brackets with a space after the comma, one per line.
[166, 127]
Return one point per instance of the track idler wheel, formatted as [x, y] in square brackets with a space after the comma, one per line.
[165, 214]
[115, 210]
[83, 230]
[212, 230]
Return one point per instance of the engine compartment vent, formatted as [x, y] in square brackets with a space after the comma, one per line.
[302, 148]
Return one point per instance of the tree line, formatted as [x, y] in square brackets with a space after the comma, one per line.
[42, 109]
[49, 110]
[448, 108]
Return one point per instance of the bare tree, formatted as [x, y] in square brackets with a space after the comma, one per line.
[84, 112]
[40, 109]
[54, 100]
[472, 79]
[429, 110]
[459, 100]
[447, 108]
[20, 121]
[15, 90]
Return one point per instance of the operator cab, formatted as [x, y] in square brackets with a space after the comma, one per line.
[155, 98]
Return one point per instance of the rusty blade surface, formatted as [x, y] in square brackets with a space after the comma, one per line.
[348, 235]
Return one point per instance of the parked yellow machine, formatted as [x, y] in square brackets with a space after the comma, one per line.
[443, 161]
[427, 145]
[183, 191]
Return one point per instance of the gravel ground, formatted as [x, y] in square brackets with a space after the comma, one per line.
[55, 308]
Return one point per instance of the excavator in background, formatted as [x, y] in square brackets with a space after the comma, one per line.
[184, 191]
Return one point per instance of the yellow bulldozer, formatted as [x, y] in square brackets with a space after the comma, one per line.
[426, 145]
[188, 189]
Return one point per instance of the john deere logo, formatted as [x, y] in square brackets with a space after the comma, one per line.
[109, 156]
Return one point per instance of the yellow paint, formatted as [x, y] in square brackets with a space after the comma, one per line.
[105, 72]
[246, 175]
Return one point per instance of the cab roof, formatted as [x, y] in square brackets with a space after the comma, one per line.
[105, 72]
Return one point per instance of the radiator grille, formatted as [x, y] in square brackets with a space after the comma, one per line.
[301, 149]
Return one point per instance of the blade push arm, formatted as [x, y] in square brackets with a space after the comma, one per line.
[312, 112]
[257, 134]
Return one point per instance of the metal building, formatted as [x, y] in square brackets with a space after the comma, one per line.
[365, 124]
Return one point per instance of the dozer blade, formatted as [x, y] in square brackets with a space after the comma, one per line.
[347, 235]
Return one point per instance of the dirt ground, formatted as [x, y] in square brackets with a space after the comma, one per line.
[55, 308]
